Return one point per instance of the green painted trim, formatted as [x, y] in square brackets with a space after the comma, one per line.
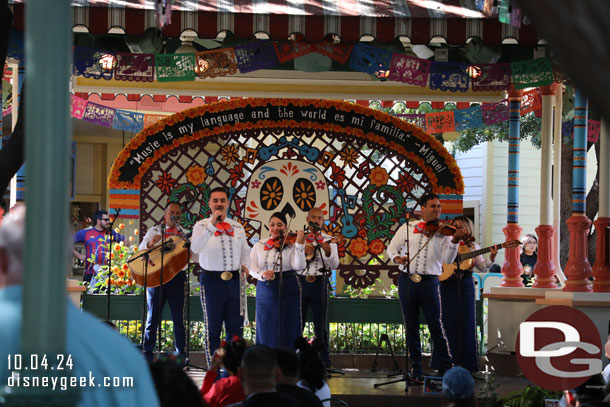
[347, 310]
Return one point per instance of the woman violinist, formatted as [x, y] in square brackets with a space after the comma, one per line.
[278, 313]
[458, 306]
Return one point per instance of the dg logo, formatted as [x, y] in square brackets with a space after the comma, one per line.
[558, 348]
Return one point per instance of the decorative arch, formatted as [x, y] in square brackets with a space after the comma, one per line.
[362, 166]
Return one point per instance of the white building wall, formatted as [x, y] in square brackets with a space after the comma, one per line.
[471, 165]
[494, 216]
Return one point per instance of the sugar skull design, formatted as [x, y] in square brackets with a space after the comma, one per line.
[287, 186]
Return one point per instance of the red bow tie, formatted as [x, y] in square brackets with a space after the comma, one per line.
[223, 227]
[272, 243]
[311, 238]
[420, 227]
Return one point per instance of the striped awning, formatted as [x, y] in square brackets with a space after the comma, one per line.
[419, 20]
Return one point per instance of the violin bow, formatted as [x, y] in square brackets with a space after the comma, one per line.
[277, 260]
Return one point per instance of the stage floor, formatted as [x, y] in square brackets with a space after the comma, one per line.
[356, 388]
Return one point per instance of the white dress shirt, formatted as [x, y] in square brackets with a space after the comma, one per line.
[261, 260]
[331, 262]
[222, 252]
[156, 231]
[430, 259]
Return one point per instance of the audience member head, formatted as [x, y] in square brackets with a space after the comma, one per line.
[231, 353]
[311, 368]
[174, 387]
[589, 392]
[458, 385]
[288, 366]
[12, 233]
[465, 223]
[529, 244]
[101, 220]
[258, 369]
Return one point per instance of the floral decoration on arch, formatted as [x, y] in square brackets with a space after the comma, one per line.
[196, 175]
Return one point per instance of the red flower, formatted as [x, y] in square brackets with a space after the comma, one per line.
[405, 182]
[165, 182]
[237, 173]
[376, 247]
[338, 175]
[358, 247]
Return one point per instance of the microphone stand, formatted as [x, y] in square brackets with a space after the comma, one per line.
[459, 275]
[406, 377]
[159, 328]
[187, 296]
[325, 290]
[111, 229]
[279, 261]
[280, 283]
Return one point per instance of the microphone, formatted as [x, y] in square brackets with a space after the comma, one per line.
[175, 219]
[219, 218]
[314, 226]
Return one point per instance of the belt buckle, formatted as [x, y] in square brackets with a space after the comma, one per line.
[310, 279]
[416, 278]
[272, 277]
[226, 275]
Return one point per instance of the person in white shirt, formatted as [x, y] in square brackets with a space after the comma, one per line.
[223, 252]
[322, 254]
[458, 306]
[278, 322]
[171, 292]
[418, 286]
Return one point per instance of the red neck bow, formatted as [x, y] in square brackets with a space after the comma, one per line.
[272, 243]
[223, 227]
[311, 238]
[420, 227]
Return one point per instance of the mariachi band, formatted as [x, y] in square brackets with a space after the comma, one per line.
[292, 270]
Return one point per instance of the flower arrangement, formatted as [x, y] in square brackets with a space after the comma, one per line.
[121, 281]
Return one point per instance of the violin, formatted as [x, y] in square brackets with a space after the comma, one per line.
[435, 226]
[284, 240]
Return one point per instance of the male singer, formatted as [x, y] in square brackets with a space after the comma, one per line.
[223, 251]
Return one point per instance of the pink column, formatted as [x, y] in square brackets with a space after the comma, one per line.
[544, 270]
[512, 268]
[601, 267]
[578, 269]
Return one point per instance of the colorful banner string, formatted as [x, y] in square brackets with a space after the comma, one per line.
[472, 117]
[266, 54]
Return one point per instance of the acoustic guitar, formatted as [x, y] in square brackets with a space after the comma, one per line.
[175, 258]
[466, 257]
